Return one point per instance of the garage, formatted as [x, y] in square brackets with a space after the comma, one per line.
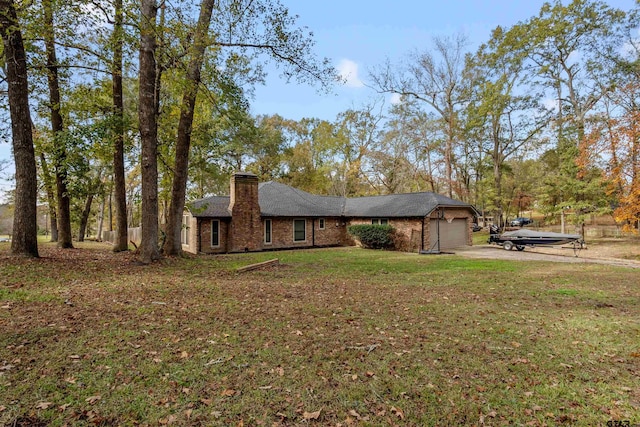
[452, 234]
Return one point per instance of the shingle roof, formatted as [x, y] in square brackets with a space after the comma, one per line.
[398, 205]
[280, 200]
[214, 206]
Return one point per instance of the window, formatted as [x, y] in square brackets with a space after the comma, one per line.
[299, 230]
[267, 231]
[380, 221]
[215, 233]
[184, 230]
[321, 224]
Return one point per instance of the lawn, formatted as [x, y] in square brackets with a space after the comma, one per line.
[331, 337]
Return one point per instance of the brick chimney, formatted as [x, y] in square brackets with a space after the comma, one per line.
[246, 223]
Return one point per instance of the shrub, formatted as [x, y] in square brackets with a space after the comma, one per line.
[373, 236]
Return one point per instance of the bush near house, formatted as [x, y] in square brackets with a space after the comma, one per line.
[373, 236]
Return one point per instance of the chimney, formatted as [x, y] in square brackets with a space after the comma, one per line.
[246, 222]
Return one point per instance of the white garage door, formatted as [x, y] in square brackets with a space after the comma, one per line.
[452, 234]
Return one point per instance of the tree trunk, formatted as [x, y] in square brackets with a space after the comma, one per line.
[51, 198]
[24, 239]
[101, 219]
[84, 219]
[173, 245]
[121, 238]
[148, 132]
[57, 127]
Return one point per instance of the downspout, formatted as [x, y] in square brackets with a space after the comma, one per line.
[422, 236]
[198, 240]
[440, 213]
[313, 232]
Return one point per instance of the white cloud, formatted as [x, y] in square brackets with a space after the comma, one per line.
[550, 104]
[395, 98]
[348, 71]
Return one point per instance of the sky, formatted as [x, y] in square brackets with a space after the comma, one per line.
[358, 35]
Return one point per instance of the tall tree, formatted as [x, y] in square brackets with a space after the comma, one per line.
[57, 128]
[508, 121]
[173, 244]
[359, 134]
[25, 228]
[261, 26]
[147, 112]
[566, 47]
[435, 78]
[119, 186]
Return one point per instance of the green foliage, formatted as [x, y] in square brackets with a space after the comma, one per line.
[373, 236]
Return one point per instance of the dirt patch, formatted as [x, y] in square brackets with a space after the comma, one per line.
[608, 253]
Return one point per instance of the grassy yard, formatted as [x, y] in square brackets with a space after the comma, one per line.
[333, 337]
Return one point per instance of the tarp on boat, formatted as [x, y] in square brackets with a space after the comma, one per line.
[532, 234]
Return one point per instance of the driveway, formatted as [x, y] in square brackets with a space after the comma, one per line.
[552, 254]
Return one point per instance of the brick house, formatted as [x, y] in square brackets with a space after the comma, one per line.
[265, 216]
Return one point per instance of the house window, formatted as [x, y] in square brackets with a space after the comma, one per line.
[267, 231]
[299, 230]
[321, 224]
[184, 230]
[215, 233]
[380, 221]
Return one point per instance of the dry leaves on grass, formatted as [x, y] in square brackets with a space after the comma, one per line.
[44, 405]
[92, 399]
[311, 415]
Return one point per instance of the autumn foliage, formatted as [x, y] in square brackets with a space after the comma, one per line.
[614, 144]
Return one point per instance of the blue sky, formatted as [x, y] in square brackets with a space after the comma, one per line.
[357, 35]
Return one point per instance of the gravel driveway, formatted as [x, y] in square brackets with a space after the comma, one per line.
[553, 254]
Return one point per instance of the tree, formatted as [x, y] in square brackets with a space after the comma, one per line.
[173, 245]
[262, 25]
[25, 228]
[147, 113]
[566, 48]
[435, 78]
[507, 121]
[119, 185]
[359, 134]
[57, 127]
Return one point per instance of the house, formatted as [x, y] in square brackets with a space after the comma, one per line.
[264, 216]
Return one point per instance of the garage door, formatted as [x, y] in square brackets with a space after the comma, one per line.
[452, 234]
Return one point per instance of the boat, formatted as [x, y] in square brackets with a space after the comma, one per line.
[520, 238]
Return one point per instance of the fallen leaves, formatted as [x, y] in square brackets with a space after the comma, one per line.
[44, 405]
[93, 399]
[397, 412]
[228, 392]
[311, 415]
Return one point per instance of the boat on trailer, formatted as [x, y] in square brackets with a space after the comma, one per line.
[519, 239]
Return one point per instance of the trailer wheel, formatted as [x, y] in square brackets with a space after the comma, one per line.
[507, 245]
[520, 248]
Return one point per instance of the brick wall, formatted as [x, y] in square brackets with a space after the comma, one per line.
[246, 233]
[407, 232]
[205, 236]
[282, 233]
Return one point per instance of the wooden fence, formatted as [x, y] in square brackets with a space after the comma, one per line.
[134, 235]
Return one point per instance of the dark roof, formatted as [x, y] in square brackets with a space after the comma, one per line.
[399, 205]
[280, 200]
[214, 206]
